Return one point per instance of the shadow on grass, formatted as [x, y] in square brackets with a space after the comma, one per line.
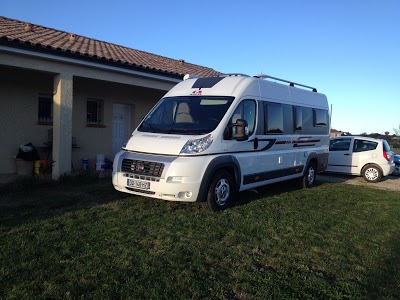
[266, 191]
[30, 198]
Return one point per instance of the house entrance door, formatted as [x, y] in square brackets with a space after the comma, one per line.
[121, 126]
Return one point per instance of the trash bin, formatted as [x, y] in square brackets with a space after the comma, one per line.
[24, 167]
[25, 159]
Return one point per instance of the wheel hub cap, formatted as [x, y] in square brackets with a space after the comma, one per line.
[222, 190]
[311, 176]
[371, 174]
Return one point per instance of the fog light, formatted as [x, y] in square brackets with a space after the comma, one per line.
[185, 195]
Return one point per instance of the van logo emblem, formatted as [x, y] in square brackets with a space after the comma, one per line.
[196, 93]
[140, 167]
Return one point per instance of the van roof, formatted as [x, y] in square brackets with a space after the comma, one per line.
[240, 86]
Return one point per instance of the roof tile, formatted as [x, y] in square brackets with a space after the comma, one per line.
[42, 37]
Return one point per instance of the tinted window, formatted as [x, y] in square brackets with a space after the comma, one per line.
[386, 146]
[320, 118]
[362, 145]
[273, 118]
[339, 145]
[298, 118]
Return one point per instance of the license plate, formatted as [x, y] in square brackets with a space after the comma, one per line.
[145, 185]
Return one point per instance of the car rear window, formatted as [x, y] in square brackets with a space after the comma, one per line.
[386, 146]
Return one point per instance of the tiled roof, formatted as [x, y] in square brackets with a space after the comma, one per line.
[38, 38]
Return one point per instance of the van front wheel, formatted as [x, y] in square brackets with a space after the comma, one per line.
[309, 175]
[221, 191]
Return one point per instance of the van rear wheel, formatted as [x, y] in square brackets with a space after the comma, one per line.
[221, 191]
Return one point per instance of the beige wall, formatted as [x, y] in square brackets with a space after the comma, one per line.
[92, 140]
[19, 91]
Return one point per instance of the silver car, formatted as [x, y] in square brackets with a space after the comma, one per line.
[362, 156]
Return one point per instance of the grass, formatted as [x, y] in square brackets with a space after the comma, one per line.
[81, 239]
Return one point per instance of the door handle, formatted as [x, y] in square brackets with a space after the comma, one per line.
[347, 154]
[255, 143]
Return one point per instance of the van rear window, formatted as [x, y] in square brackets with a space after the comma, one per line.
[320, 118]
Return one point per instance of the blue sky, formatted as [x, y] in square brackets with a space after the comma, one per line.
[349, 50]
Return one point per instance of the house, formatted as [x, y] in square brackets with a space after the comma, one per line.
[75, 97]
[335, 133]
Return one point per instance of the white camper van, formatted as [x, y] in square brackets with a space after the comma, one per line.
[209, 138]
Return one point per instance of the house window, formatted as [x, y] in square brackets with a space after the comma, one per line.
[45, 109]
[94, 112]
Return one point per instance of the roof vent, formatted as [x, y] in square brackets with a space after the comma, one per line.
[181, 61]
[72, 37]
[28, 27]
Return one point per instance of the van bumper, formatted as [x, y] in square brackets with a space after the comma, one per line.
[172, 191]
[180, 179]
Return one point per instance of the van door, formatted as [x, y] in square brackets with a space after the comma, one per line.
[340, 156]
[244, 151]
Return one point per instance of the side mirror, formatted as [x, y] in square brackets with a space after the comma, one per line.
[240, 130]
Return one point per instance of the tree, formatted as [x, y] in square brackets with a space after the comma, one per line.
[397, 131]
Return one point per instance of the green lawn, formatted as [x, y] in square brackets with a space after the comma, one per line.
[82, 239]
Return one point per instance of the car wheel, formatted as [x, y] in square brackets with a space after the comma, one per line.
[308, 178]
[372, 173]
[221, 191]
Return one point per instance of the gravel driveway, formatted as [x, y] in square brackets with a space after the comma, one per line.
[389, 183]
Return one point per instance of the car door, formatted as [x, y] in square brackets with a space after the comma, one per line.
[363, 153]
[340, 155]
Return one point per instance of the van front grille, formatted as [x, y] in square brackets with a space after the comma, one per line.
[142, 167]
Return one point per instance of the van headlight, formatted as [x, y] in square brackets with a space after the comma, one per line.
[197, 145]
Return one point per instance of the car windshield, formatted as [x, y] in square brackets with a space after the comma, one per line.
[186, 115]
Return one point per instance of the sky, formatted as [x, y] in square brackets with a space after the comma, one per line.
[348, 49]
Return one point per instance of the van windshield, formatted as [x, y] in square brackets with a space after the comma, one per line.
[186, 115]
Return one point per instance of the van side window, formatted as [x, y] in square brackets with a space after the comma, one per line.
[246, 110]
[273, 118]
[361, 145]
[339, 145]
[298, 118]
[320, 118]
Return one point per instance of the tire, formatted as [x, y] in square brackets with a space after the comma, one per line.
[221, 191]
[308, 178]
[372, 173]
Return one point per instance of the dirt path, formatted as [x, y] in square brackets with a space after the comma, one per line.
[389, 183]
